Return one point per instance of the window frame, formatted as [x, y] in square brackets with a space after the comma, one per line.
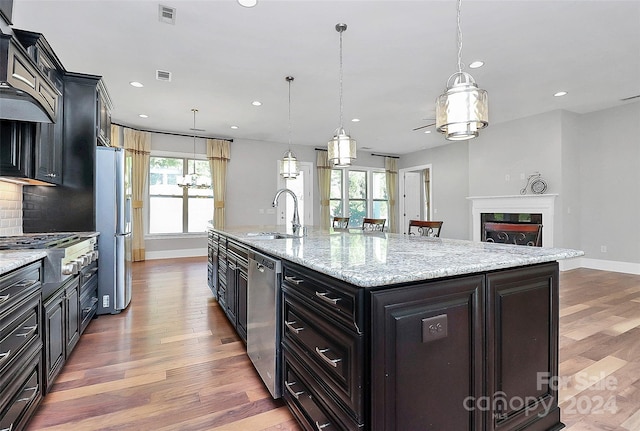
[186, 157]
[369, 191]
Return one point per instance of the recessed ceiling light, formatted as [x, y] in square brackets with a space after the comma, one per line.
[355, 120]
[143, 116]
[136, 84]
[248, 3]
[560, 93]
[476, 64]
[427, 131]
[234, 127]
[256, 103]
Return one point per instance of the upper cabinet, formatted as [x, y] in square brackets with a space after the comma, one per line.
[49, 136]
[104, 115]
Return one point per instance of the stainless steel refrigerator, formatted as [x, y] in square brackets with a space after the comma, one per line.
[113, 221]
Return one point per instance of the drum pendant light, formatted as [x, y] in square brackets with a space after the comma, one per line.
[341, 148]
[289, 164]
[463, 108]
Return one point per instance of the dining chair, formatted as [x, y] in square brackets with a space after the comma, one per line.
[513, 233]
[425, 228]
[373, 224]
[340, 222]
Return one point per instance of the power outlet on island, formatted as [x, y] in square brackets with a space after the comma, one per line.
[105, 301]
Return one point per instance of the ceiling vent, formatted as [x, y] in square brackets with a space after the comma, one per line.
[163, 75]
[630, 98]
[167, 14]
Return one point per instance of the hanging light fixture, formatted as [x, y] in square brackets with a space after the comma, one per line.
[463, 108]
[289, 164]
[342, 149]
[193, 180]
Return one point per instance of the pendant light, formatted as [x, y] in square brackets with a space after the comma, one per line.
[289, 164]
[193, 180]
[463, 108]
[341, 148]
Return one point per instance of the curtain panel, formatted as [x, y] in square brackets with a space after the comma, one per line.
[116, 140]
[219, 154]
[138, 146]
[391, 171]
[324, 184]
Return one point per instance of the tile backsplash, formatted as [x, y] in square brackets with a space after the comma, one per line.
[10, 209]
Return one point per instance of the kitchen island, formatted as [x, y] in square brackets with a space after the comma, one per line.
[393, 332]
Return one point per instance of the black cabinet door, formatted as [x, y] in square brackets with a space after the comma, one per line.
[427, 343]
[232, 291]
[54, 342]
[242, 304]
[49, 144]
[16, 148]
[72, 320]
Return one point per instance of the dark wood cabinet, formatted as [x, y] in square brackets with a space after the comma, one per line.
[21, 373]
[212, 262]
[427, 336]
[54, 342]
[103, 115]
[17, 144]
[61, 327]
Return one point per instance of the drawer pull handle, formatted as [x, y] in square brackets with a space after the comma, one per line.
[325, 298]
[332, 362]
[293, 393]
[293, 328]
[319, 427]
[30, 331]
[3, 298]
[3, 357]
[35, 391]
[293, 280]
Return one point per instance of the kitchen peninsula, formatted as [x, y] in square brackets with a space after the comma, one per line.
[392, 332]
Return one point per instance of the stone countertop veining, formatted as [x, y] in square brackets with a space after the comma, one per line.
[14, 259]
[378, 259]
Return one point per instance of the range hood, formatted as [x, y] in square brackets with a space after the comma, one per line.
[25, 93]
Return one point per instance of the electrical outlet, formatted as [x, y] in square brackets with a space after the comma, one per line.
[271, 210]
[603, 249]
[434, 328]
[105, 301]
[507, 177]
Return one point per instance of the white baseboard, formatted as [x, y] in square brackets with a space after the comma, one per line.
[604, 265]
[172, 254]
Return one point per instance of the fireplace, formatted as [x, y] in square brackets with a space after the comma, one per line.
[514, 209]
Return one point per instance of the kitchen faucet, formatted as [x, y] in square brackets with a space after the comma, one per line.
[295, 223]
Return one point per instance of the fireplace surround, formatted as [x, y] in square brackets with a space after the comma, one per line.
[515, 204]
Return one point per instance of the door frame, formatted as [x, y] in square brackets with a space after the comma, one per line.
[401, 215]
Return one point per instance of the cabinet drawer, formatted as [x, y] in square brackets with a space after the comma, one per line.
[18, 329]
[22, 395]
[306, 400]
[19, 284]
[332, 353]
[336, 298]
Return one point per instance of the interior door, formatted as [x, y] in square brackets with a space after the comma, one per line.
[412, 198]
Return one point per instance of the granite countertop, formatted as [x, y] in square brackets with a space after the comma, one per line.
[13, 259]
[378, 259]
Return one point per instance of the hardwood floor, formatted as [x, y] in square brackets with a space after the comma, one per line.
[171, 361]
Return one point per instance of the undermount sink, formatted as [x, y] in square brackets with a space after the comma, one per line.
[269, 235]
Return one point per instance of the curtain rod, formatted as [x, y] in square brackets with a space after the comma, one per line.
[321, 149]
[385, 155]
[170, 133]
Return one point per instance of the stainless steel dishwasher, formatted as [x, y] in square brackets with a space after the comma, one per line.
[263, 319]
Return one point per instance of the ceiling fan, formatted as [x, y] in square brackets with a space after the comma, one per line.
[432, 123]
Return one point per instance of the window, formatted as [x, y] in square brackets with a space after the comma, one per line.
[175, 209]
[362, 192]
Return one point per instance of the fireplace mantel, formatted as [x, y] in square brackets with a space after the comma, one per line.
[543, 204]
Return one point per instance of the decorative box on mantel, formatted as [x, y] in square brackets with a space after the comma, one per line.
[515, 204]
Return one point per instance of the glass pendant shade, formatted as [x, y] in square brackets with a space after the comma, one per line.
[289, 166]
[462, 109]
[341, 149]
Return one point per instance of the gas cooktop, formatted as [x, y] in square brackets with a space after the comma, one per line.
[36, 241]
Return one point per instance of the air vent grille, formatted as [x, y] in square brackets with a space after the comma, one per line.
[163, 75]
[630, 98]
[167, 14]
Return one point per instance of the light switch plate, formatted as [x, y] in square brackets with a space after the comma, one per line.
[434, 328]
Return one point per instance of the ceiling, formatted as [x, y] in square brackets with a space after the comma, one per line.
[397, 57]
